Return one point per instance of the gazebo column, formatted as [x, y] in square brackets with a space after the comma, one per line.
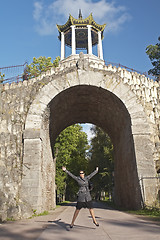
[73, 40]
[62, 46]
[100, 50]
[89, 40]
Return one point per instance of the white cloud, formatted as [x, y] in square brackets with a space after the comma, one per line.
[38, 9]
[46, 16]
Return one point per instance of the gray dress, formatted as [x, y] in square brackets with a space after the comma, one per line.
[84, 192]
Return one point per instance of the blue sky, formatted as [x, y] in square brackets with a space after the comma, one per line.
[28, 28]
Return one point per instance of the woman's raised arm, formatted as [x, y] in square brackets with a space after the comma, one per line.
[93, 173]
[69, 173]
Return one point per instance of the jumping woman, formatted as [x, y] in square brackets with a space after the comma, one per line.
[84, 197]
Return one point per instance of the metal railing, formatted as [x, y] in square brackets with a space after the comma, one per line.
[12, 73]
[11, 77]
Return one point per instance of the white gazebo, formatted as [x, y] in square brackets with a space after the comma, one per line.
[81, 34]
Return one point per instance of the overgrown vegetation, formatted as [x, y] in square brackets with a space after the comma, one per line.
[40, 65]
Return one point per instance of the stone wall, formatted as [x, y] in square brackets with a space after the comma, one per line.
[16, 99]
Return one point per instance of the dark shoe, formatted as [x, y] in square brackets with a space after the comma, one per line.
[97, 224]
[71, 226]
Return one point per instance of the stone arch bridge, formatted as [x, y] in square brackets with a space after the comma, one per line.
[81, 90]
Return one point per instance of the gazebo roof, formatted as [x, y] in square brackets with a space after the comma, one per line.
[81, 31]
[80, 22]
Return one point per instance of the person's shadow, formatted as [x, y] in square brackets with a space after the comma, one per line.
[66, 226]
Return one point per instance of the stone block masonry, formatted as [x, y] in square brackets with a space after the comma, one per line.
[16, 99]
[32, 114]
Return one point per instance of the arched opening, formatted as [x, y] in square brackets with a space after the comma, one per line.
[81, 104]
[77, 150]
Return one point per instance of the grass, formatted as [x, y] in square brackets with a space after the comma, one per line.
[11, 219]
[43, 213]
[46, 212]
[40, 214]
[153, 213]
[62, 203]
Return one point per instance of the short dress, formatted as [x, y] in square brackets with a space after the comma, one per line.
[88, 205]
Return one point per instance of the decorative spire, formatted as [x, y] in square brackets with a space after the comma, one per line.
[80, 14]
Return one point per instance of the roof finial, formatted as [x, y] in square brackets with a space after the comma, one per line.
[80, 14]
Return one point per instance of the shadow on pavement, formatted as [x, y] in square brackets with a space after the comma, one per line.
[66, 226]
[136, 223]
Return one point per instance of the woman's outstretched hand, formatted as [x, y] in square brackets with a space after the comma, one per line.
[64, 169]
[97, 169]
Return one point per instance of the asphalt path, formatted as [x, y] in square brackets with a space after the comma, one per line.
[113, 224]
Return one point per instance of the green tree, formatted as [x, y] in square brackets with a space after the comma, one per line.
[153, 51]
[71, 145]
[39, 65]
[102, 156]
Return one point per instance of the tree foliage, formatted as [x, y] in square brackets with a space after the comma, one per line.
[72, 145]
[101, 153]
[74, 153]
[153, 51]
[39, 65]
[2, 77]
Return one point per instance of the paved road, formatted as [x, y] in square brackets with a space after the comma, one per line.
[114, 225]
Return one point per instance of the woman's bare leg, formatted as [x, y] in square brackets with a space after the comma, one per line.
[93, 216]
[74, 217]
